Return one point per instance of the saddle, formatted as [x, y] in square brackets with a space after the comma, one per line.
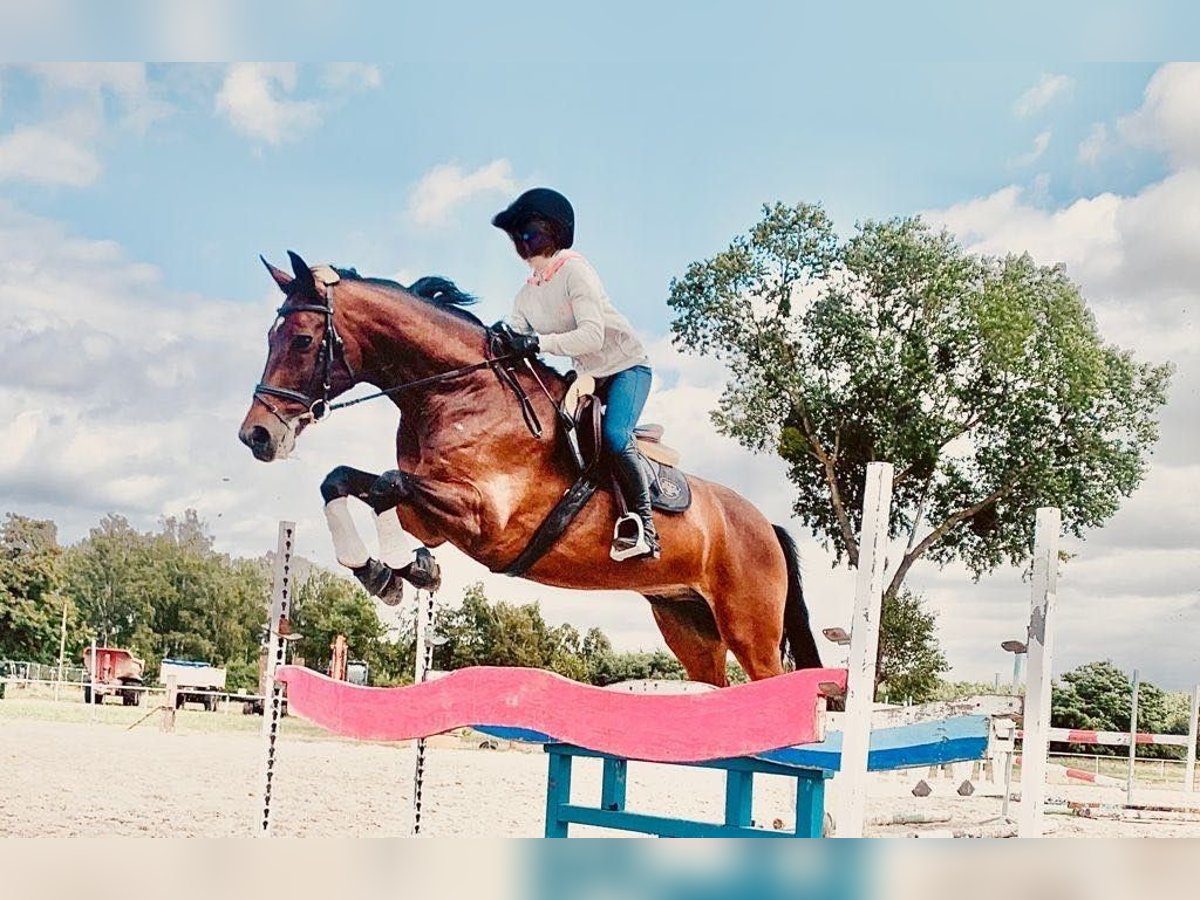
[669, 489]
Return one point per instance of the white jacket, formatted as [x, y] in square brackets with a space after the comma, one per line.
[566, 305]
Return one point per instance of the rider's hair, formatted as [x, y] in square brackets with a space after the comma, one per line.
[538, 237]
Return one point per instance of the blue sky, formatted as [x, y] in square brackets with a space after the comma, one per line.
[135, 199]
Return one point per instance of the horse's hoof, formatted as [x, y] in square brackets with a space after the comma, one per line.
[380, 581]
[423, 572]
[393, 592]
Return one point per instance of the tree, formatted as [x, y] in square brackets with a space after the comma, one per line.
[983, 380]
[482, 633]
[1098, 696]
[30, 603]
[910, 660]
[326, 605]
[110, 577]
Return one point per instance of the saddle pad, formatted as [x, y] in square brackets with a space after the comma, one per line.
[669, 488]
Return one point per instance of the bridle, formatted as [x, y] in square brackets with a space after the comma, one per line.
[315, 408]
[319, 408]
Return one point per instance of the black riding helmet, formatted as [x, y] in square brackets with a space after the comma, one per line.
[539, 203]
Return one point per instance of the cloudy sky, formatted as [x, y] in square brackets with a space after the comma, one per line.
[134, 200]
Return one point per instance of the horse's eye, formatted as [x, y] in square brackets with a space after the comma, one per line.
[302, 342]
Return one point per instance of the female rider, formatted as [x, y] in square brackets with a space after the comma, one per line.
[563, 310]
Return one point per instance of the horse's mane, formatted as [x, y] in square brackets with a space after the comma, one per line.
[442, 293]
[433, 289]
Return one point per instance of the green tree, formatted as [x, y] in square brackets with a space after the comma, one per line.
[109, 576]
[983, 380]
[1098, 696]
[910, 660]
[482, 633]
[326, 605]
[30, 603]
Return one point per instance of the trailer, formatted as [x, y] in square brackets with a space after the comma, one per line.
[115, 671]
[195, 682]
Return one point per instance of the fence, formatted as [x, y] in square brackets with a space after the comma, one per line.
[21, 670]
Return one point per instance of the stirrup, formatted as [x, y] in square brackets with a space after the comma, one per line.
[629, 539]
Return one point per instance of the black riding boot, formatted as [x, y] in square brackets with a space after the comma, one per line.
[629, 541]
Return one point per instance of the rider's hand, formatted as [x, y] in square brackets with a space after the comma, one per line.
[517, 341]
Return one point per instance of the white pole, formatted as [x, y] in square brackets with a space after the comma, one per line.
[1189, 773]
[1133, 717]
[62, 648]
[1039, 669]
[864, 647]
[281, 605]
[424, 661]
[92, 676]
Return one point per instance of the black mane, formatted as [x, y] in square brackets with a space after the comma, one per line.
[440, 292]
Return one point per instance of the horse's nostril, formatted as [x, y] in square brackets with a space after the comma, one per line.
[256, 437]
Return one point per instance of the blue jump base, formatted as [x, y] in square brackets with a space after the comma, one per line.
[960, 739]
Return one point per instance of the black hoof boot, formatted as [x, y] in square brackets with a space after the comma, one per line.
[380, 581]
[423, 572]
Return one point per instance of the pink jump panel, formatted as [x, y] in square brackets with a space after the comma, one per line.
[735, 721]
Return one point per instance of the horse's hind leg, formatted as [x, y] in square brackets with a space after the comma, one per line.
[688, 627]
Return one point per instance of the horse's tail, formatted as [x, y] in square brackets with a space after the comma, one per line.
[798, 644]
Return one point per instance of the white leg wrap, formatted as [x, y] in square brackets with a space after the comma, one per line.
[347, 545]
[395, 548]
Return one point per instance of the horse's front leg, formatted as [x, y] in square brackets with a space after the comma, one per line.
[381, 577]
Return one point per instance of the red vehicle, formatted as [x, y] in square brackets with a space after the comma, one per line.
[118, 672]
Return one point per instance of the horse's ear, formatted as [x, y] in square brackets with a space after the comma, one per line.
[282, 278]
[302, 272]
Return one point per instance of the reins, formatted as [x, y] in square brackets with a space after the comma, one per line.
[319, 408]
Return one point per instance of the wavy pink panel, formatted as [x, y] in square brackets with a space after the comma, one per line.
[735, 721]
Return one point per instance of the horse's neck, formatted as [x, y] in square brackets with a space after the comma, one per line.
[401, 340]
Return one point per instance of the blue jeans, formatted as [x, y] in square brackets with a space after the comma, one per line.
[625, 394]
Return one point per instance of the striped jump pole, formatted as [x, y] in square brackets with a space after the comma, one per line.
[281, 605]
[424, 662]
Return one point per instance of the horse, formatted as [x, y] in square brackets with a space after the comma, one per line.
[474, 472]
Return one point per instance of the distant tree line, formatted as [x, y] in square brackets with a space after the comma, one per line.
[168, 594]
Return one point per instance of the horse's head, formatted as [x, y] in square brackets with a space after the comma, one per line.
[305, 367]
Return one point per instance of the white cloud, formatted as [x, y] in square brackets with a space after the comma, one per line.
[1042, 94]
[1095, 145]
[447, 186]
[1040, 143]
[63, 149]
[126, 79]
[1168, 118]
[351, 76]
[251, 98]
[40, 155]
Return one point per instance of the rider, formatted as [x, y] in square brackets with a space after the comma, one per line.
[563, 310]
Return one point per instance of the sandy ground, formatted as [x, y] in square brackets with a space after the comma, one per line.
[69, 778]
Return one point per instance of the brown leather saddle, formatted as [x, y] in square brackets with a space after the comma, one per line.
[581, 415]
[669, 489]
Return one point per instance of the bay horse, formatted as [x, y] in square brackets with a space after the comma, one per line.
[471, 472]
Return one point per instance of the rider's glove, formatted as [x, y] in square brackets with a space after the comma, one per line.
[517, 341]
